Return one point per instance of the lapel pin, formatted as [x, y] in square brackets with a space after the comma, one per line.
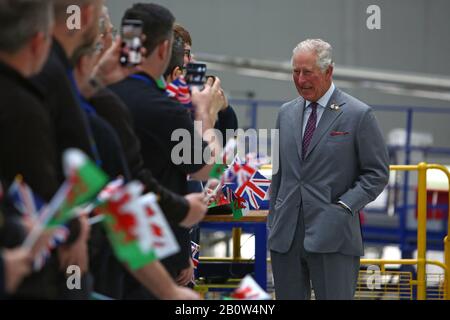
[336, 107]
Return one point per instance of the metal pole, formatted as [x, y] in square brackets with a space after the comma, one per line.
[254, 114]
[447, 238]
[237, 232]
[422, 232]
[404, 212]
[447, 263]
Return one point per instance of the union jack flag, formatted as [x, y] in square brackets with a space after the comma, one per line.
[254, 190]
[60, 235]
[23, 198]
[31, 206]
[179, 90]
[238, 172]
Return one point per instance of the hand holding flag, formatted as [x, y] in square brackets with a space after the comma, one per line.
[30, 206]
[83, 181]
[136, 227]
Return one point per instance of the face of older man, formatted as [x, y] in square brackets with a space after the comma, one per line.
[310, 81]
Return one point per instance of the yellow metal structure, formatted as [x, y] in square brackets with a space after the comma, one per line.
[421, 261]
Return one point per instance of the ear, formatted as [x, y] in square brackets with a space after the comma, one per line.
[37, 44]
[329, 72]
[176, 73]
[164, 49]
[87, 14]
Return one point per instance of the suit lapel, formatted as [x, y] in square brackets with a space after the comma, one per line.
[327, 119]
[296, 119]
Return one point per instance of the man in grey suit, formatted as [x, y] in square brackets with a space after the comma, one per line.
[333, 161]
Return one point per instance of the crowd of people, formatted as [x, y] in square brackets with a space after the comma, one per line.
[63, 88]
[66, 87]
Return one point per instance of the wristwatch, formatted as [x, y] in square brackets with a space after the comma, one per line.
[95, 83]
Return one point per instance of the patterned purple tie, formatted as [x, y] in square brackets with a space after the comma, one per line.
[310, 127]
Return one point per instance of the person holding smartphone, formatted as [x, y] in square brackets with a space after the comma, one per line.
[226, 118]
[157, 117]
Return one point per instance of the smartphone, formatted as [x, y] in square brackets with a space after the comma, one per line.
[196, 74]
[131, 43]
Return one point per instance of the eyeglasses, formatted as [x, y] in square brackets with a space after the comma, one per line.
[114, 32]
[98, 47]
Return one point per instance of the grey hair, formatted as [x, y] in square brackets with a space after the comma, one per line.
[20, 20]
[323, 50]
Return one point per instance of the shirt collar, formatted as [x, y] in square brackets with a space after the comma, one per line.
[323, 101]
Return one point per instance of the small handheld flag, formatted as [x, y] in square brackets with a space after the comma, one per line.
[83, 181]
[136, 227]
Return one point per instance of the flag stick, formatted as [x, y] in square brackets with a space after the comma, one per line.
[213, 194]
[96, 219]
[48, 213]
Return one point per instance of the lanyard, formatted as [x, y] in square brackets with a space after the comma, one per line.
[90, 111]
[161, 83]
[141, 78]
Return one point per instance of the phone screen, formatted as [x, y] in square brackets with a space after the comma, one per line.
[196, 74]
[131, 43]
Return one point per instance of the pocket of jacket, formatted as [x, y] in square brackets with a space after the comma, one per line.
[340, 138]
[341, 210]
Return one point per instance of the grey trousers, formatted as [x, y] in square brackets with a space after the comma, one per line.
[333, 276]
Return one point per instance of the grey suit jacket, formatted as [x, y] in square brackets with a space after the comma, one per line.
[351, 167]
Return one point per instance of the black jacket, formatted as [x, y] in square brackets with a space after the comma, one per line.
[2, 278]
[227, 120]
[71, 130]
[27, 147]
[107, 271]
[112, 109]
[71, 124]
[26, 135]
[155, 117]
